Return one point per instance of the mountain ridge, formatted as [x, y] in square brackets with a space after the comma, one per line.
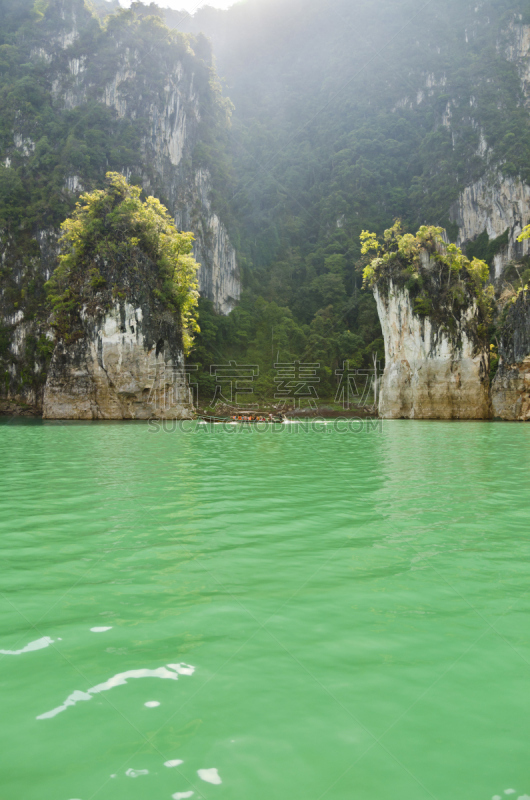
[344, 118]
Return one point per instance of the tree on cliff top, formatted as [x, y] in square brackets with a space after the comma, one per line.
[442, 282]
[109, 240]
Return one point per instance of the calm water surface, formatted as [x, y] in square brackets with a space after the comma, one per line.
[304, 616]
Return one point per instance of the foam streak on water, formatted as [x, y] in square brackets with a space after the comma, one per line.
[39, 644]
[355, 606]
[120, 680]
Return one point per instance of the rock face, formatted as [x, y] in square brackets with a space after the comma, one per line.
[426, 376]
[129, 365]
[167, 104]
[218, 273]
[172, 116]
[495, 204]
[518, 51]
[511, 386]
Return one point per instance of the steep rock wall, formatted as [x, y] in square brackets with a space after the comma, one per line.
[218, 273]
[497, 203]
[129, 365]
[426, 376]
[168, 107]
[494, 204]
[511, 386]
[24, 336]
[518, 52]
[27, 343]
[172, 115]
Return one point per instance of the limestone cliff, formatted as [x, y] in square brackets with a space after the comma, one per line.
[434, 308]
[517, 50]
[170, 100]
[123, 300]
[128, 365]
[130, 96]
[511, 386]
[218, 273]
[495, 204]
[427, 374]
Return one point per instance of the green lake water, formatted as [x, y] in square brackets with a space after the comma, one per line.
[308, 614]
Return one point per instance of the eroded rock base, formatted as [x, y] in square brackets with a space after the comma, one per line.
[118, 372]
[511, 392]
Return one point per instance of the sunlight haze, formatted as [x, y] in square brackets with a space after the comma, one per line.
[187, 5]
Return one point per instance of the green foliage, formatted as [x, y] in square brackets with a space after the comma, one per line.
[262, 331]
[40, 7]
[4, 339]
[330, 137]
[441, 280]
[44, 347]
[350, 139]
[423, 306]
[494, 362]
[486, 250]
[112, 232]
[525, 234]
[57, 138]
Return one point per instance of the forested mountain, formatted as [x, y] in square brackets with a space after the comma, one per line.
[79, 97]
[346, 115]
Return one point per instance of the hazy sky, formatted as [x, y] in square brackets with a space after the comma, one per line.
[187, 5]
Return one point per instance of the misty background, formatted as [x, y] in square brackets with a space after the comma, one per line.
[186, 5]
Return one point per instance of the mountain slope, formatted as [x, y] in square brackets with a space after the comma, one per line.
[347, 115]
[79, 98]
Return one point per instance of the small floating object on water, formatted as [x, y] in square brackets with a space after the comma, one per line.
[247, 417]
[182, 795]
[100, 630]
[152, 704]
[135, 773]
[209, 775]
[176, 762]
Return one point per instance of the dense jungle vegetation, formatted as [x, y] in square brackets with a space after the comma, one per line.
[88, 139]
[57, 137]
[112, 238]
[347, 115]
